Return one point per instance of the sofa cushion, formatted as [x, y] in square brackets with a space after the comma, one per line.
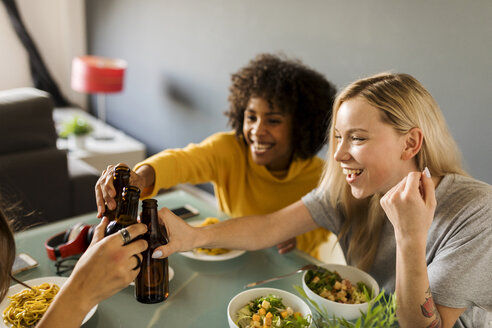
[37, 183]
[83, 178]
[26, 120]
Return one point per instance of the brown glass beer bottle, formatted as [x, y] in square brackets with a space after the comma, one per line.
[121, 179]
[128, 211]
[152, 282]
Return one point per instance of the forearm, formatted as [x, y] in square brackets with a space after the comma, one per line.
[258, 232]
[241, 233]
[416, 307]
[147, 175]
[67, 310]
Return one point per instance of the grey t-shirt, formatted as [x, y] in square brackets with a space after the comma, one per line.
[459, 246]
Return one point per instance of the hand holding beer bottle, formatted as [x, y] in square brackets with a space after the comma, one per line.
[110, 185]
[121, 179]
[128, 211]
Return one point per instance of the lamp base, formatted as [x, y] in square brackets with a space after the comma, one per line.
[102, 134]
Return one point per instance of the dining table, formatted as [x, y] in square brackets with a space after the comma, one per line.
[199, 291]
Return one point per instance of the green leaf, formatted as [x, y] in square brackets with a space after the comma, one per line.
[76, 126]
[381, 313]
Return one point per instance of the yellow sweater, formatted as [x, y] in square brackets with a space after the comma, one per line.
[241, 186]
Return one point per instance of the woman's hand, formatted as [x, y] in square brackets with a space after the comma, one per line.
[105, 191]
[105, 268]
[238, 233]
[410, 207]
[181, 236]
[107, 265]
[287, 246]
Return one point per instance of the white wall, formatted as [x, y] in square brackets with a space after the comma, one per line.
[194, 46]
[58, 29]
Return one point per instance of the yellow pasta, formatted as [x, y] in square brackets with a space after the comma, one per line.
[28, 306]
[211, 251]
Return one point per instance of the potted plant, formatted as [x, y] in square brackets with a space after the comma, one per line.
[76, 130]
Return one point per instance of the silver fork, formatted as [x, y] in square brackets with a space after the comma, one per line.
[303, 268]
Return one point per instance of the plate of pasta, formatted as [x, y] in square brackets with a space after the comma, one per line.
[19, 301]
[211, 254]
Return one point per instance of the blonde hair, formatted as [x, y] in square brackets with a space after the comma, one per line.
[404, 104]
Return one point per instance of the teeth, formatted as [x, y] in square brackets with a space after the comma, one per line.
[348, 171]
[261, 146]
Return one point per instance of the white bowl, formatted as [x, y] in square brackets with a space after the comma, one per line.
[347, 311]
[243, 298]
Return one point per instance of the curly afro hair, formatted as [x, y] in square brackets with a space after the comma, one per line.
[291, 87]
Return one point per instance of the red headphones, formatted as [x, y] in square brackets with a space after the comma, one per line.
[72, 242]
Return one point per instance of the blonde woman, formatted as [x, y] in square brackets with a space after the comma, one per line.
[395, 194]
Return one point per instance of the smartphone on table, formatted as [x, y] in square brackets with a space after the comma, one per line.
[23, 262]
[185, 212]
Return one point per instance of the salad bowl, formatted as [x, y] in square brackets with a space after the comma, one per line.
[242, 299]
[355, 276]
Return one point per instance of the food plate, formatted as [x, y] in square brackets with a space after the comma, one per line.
[205, 257]
[221, 257]
[35, 282]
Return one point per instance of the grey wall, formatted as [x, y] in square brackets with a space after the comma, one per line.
[181, 54]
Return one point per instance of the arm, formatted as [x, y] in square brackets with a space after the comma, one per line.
[249, 233]
[104, 269]
[411, 212]
[196, 163]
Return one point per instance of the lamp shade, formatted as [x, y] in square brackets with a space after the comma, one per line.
[93, 74]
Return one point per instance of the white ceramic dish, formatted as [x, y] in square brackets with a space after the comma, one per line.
[243, 298]
[205, 257]
[347, 311]
[221, 257]
[35, 282]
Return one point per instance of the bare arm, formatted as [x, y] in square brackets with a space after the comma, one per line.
[411, 212]
[249, 233]
[105, 268]
[146, 174]
[415, 301]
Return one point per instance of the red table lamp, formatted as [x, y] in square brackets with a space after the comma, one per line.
[99, 75]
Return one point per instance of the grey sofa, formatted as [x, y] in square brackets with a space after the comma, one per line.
[38, 182]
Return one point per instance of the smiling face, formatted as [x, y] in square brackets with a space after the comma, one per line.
[268, 133]
[369, 150]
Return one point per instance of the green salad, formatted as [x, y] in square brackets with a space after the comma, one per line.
[269, 312]
[330, 285]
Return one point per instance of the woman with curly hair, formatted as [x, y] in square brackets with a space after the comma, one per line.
[279, 110]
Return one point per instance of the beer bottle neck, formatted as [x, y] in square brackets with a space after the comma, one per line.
[120, 183]
[128, 212]
[158, 231]
[121, 179]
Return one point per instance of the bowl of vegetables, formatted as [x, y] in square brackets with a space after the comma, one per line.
[268, 307]
[340, 290]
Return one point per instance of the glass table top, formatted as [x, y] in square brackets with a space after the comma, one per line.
[199, 291]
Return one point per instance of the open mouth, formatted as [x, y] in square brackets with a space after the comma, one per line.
[351, 173]
[261, 147]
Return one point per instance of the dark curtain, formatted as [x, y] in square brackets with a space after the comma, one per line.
[39, 72]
